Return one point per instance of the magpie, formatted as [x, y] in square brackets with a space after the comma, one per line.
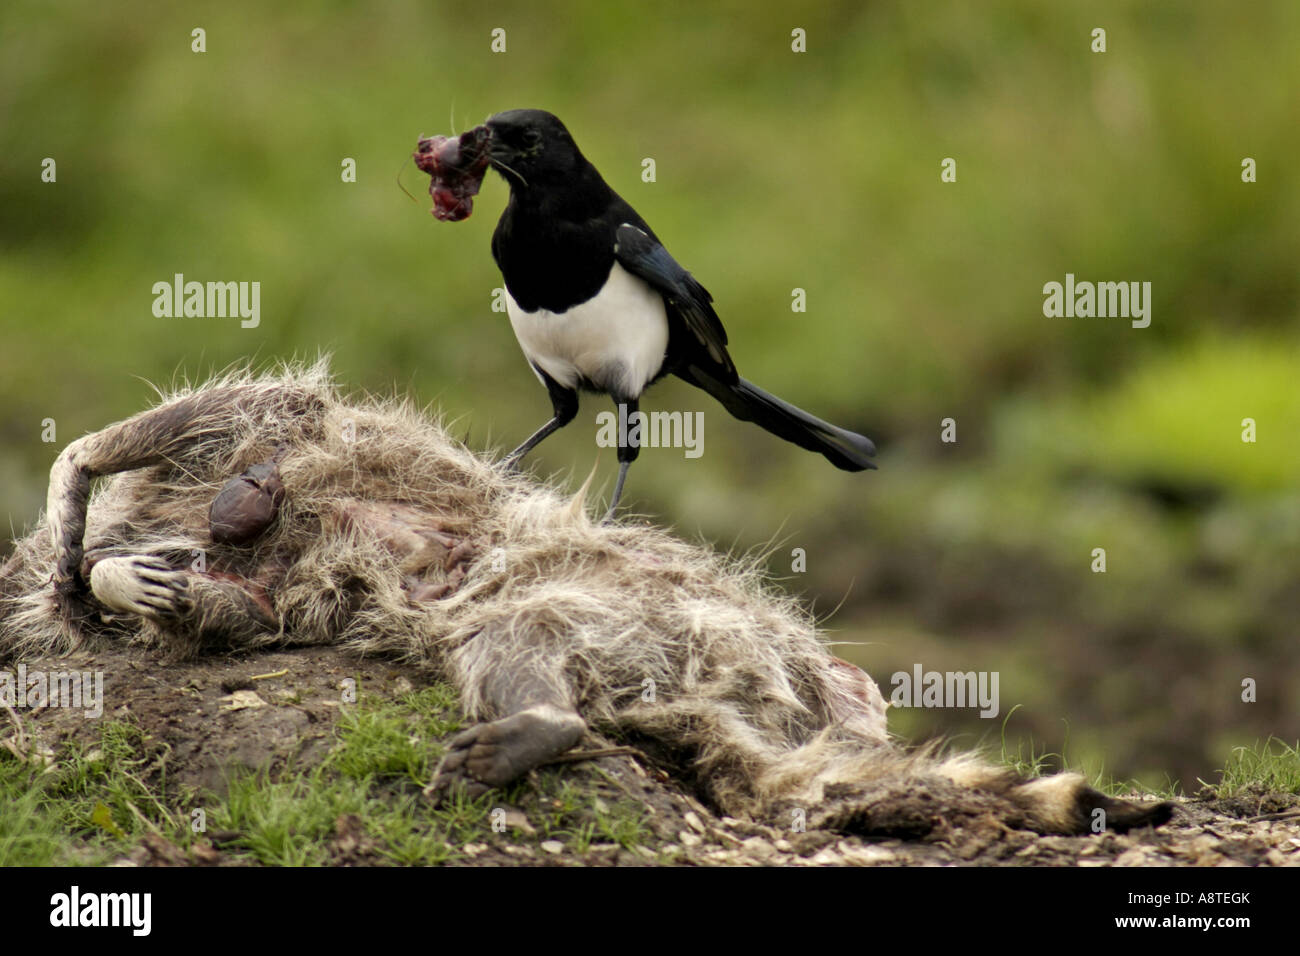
[598, 304]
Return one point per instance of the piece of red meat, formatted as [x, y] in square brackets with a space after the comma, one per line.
[457, 166]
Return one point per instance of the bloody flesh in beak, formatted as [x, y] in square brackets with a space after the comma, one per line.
[457, 166]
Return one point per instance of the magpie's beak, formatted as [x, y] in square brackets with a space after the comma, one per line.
[480, 137]
[497, 150]
[504, 158]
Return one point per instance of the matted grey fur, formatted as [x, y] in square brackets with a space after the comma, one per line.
[394, 538]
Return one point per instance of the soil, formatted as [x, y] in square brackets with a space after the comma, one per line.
[220, 713]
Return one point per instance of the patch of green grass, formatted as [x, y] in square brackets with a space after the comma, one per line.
[1270, 767]
[90, 803]
[563, 798]
[385, 753]
[116, 774]
[93, 804]
[29, 834]
[569, 810]
[392, 738]
[1028, 762]
[289, 822]
[581, 837]
[410, 835]
[623, 824]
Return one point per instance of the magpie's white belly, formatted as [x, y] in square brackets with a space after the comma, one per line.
[615, 340]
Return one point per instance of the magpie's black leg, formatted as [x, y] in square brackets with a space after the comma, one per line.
[565, 403]
[511, 461]
[627, 452]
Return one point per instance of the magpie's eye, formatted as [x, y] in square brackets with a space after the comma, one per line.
[532, 137]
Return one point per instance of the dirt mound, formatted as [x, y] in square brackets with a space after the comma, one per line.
[207, 722]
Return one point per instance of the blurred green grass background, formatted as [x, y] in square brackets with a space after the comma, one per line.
[775, 170]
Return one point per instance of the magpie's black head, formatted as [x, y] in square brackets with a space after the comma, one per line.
[531, 147]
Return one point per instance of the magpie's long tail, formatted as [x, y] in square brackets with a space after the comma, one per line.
[746, 401]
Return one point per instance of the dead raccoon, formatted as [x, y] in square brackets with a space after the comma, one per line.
[256, 511]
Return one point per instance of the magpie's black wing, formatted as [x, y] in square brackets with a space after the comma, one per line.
[644, 256]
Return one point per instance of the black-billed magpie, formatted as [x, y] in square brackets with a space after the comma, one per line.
[598, 304]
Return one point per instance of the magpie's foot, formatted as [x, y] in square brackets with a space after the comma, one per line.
[609, 515]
